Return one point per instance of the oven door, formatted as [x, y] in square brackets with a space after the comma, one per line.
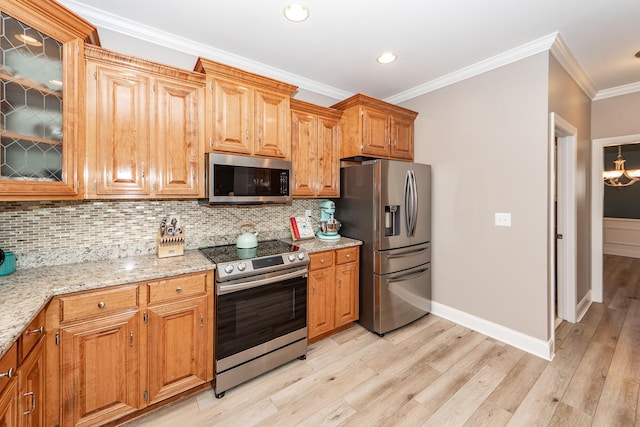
[254, 316]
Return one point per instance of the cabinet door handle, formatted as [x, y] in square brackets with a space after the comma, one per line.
[101, 304]
[36, 331]
[33, 402]
[313, 290]
[210, 141]
[131, 339]
[246, 134]
[142, 169]
[340, 282]
[201, 320]
[8, 374]
[260, 136]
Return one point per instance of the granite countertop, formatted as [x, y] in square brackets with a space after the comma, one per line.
[25, 292]
[317, 245]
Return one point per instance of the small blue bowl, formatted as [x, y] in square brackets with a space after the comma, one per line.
[8, 266]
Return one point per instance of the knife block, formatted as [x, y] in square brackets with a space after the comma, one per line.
[169, 246]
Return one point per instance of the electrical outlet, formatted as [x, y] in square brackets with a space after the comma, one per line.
[503, 219]
[307, 213]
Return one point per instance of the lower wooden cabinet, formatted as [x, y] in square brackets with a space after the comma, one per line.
[9, 404]
[31, 388]
[332, 302]
[177, 347]
[101, 365]
[117, 350]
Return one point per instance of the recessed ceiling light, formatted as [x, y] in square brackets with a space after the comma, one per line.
[387, 58]
[296, 12]
[28, 40]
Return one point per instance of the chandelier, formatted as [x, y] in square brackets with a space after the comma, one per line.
[612, 177]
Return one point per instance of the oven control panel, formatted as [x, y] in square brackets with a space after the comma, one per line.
[248, 267]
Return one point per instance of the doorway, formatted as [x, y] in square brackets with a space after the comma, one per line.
[563, 223]
[597, 207]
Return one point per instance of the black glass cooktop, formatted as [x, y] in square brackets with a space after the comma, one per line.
[230, 253]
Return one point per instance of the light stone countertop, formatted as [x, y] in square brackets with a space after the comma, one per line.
[25, 292]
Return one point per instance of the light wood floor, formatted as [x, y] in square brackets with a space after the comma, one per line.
[436, 373]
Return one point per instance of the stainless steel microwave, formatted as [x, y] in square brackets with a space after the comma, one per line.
[246, 180]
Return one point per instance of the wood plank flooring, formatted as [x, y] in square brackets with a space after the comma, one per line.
[436, 373]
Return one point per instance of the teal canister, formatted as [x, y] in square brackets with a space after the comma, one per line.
[7, 263]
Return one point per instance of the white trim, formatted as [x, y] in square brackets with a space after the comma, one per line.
[517, 339]
[524, 51]
[597, 207]
[583, 306]
[617, 91]
[567, 136]
[122, 25]
[561, 52]
[621, 237]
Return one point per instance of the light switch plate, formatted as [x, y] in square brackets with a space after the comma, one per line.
[503, 219]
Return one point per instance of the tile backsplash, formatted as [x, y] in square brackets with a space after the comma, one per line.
[63, 232]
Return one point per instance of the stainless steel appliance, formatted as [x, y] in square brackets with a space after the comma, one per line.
[387, 205]
[246, 180]
[260, 310]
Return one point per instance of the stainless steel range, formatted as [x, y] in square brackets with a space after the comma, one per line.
[261, 309]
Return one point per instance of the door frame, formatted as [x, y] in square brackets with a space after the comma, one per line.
[597, 207]
[567, 136]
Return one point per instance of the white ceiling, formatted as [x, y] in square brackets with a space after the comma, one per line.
[334, 51]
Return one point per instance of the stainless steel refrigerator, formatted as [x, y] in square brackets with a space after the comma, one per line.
[387, 205]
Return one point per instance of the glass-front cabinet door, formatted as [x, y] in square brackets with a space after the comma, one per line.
[40, 94]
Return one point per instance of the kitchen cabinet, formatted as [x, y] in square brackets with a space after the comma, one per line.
[144, 128]
[124, 348]
[375, 129]
[9, 388]
[315, 145]
[246, 113]
[333, 287]
[31, 387]
[178, 336]
[41, 96]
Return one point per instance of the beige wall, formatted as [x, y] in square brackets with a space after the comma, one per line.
[617, 116]
[572, 104]
[486, 138]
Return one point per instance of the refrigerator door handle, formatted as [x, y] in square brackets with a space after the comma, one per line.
[414, 214]
[407, 253]
[408, 276]
[407, 201]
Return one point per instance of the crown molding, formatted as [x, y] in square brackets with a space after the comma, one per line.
[131, 28]
[563, 55]
[526, 50]
[617, 91]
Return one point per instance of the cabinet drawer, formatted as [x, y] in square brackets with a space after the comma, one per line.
[98, 303]
[177, 287]
[347, 255]
[321, 260]
[8, 362]
[32, 335]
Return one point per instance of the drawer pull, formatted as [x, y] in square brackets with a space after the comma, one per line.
[36, 331]
[8, 374]
[201, 320]
[101, 304]
[348, 256]
[33, 402]
[178, 289]
[322, 261]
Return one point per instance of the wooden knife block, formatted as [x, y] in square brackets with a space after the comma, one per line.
[169, 246]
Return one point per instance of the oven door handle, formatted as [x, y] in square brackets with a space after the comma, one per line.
[227, 289]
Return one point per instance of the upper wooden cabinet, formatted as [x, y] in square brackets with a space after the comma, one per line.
[42, 93]
[374, 128]
[144, 128]
[315, 145]
[246, 113]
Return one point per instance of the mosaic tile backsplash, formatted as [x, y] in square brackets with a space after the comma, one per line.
[64, 232]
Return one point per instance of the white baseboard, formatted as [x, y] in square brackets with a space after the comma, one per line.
[537, 347]
[621, 237]
[583, 306]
